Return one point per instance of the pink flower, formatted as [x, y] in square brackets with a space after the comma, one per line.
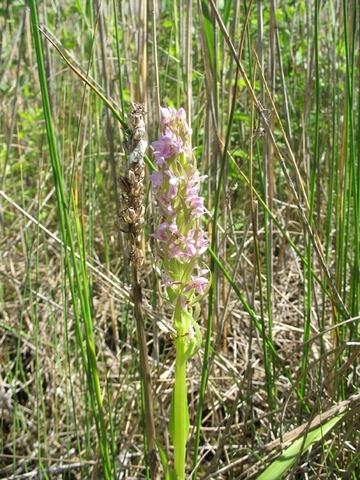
[161, 233]
[173, 182]
[176, 187]
[170, 113]
[199, 284]
[165, 206]
[156, 179]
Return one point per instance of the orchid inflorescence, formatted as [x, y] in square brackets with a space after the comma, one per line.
[180, 242]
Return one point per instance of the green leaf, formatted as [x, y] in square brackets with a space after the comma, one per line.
[287, 459]
[208, 29]
[164, 460]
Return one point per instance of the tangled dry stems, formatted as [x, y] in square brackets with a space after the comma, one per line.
[43, 392]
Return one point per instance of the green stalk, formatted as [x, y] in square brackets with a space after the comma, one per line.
[179, 415]
[179, 420]
[80, 295]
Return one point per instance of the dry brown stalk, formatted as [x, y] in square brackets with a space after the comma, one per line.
[131, 221]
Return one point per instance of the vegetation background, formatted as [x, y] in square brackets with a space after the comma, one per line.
[283, 191]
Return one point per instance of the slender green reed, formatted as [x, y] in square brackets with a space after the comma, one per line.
[77, 271]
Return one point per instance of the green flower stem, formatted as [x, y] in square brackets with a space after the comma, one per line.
[179, 418]
[180, 411]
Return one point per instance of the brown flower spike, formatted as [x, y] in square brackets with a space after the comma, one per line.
[131, 219]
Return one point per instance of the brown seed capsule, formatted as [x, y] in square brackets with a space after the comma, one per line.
[129, 215]
[125, 185]
[136, 191]
[131, 176]
[123, 225]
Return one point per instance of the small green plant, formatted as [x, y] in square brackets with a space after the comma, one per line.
[180, 243]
